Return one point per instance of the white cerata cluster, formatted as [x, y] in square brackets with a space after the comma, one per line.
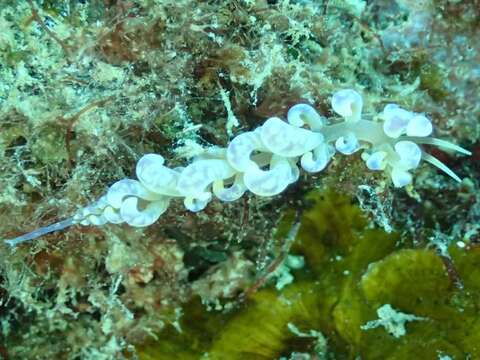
[266, 160]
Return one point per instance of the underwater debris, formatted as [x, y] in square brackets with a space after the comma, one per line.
[392, 320]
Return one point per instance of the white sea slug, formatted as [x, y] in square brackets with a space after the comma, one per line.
[266, 161]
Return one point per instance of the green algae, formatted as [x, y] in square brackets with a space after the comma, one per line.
[49, 146]
[433, 79]
[351, 270]
[413, 280]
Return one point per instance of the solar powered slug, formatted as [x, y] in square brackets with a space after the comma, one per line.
[265, 161]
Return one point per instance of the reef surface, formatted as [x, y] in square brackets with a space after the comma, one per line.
[341, 265]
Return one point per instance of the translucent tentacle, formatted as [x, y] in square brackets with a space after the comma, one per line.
[440, 165]
[439, 143]
[41, 231]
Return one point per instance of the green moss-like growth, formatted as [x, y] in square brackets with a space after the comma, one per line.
[256, 330]
[432, 79]
[49, 146]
